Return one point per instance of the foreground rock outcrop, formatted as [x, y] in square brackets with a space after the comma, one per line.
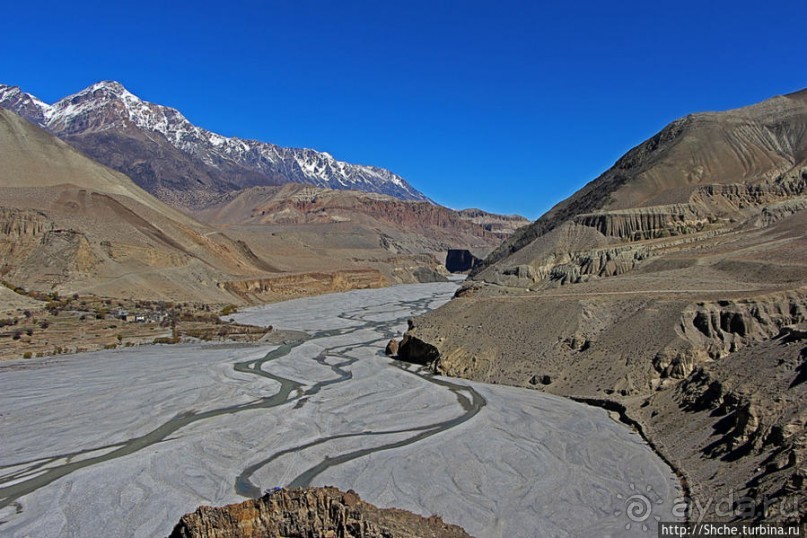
[414, 350]
[310, 513]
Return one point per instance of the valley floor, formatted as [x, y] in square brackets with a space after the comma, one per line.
[123, 442]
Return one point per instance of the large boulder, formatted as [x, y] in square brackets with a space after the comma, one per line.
[415, 350]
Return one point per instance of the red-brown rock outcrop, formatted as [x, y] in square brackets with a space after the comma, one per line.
[310, 513]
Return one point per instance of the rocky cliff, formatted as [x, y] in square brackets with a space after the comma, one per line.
[673, 287]
[289, 286]
[310, 513]
[609, 243]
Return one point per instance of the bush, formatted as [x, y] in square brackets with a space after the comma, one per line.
[26, 355]
[229, 309]
[44, 324]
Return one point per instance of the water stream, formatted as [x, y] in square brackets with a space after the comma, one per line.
[28, 477]
[123, 443]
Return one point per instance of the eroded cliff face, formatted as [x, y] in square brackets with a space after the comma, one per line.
[31, 245]
[717, 385]
[754, 144]
[382, 272]
[672, 286]
[310, 513]
[21, 231]
[575, 340]
[737, 425]
[610, 243]
[278, 288]
[724, 327]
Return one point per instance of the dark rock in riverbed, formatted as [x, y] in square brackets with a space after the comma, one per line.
[542, 379]
[412, 349]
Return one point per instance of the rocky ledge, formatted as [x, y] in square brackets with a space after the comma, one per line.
[310, 513]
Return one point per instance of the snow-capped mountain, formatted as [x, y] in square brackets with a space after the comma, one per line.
[180, 162]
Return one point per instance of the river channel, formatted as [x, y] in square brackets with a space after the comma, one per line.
[122, 443]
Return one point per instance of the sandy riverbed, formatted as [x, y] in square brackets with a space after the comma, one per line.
[122, 443]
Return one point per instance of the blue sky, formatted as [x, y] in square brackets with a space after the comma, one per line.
[509, 106]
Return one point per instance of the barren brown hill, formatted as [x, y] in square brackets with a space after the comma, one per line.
[721, 159]
[72, 225]
[405, 227]
[304, 229]
[673, 287]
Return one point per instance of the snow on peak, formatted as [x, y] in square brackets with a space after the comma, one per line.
[25, 104]
[104, 91]
[108, 105]
[108, 87]
[8, 91]
[111, 85]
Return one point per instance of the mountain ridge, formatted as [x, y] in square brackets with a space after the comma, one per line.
[71, 224]
[178, 161]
